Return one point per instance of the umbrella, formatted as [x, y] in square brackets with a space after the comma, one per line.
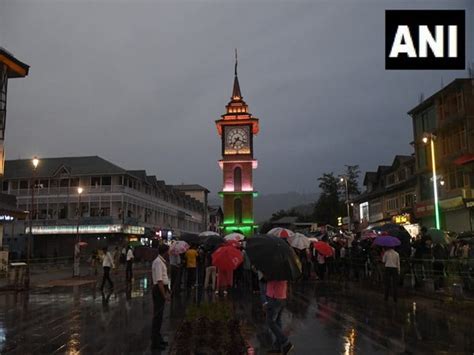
[208, 234]
[438, 236]
[178, 247]
[233, 243]
[227, 258]
[299, 241]
[397, 231]
[387, 241]
[273, 257]
[280, 232]
[369, 234]
[234, 236]
[191, 238]
[323, 248]
[212, 242]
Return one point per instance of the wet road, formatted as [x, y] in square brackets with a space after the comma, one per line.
[320, 319]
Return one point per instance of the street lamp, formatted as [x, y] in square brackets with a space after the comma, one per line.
[35, 162]
[430, 137]
[344, 180]
[77, 257]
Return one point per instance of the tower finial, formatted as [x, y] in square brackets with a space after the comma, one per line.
[235, 72]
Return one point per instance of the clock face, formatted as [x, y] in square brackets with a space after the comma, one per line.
[237, 140]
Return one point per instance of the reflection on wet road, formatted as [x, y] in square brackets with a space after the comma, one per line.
[320, 319]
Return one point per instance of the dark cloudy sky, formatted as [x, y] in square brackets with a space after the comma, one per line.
[142, 82]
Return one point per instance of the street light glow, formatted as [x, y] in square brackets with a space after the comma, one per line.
[425, 139]
[342, 179]
[35, 162]
[79, 190]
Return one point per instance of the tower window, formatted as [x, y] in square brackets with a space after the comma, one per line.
[238, 179]
[238, 210]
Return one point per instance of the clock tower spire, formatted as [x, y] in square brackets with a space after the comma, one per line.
[237, 128]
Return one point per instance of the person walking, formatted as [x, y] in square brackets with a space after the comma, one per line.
[210, 279]
[107, 264]
[160, 293]
[129, 266]
[391, 260]
[191, 265]
[175, 265]
[275, 303]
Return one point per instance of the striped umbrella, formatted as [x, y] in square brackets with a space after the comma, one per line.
[299, 241]
[178, 247]
[281, 232]
[234, 236]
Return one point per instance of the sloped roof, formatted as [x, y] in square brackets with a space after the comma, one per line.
[76, 166]
[190, 187]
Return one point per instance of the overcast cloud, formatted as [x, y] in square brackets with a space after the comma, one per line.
[141, 83]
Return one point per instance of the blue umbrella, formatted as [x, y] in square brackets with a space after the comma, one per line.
[387, 241]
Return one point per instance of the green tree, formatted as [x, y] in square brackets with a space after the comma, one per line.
[328, 206]
[352, 173]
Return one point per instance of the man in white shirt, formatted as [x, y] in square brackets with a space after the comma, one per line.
[391, 260]
[128, 269]
[161, 295]
[107, 264]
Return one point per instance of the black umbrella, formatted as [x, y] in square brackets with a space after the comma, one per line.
[274, 257]
[397, 231]
[211, 242]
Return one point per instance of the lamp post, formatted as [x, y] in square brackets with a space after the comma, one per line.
[35, 161]
[77, 257]
[344, 180]
[430, 137]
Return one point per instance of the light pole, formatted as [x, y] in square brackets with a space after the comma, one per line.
[344, 180]
[77, 257]
[430, 137]
[35, 161]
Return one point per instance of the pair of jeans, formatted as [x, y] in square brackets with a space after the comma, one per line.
[391, 282]
[158, 309]
[274, 311]
[128, 270]
[106, 277]
[210, 276]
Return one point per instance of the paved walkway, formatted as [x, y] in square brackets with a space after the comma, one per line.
[321, 318]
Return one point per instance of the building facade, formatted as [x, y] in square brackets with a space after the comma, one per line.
[389, 196]
[199, 193]
[216, 218]
[448, 117]
[237, 128]
[116, 205]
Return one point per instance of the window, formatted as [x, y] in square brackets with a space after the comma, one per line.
[422, 156]
[390, 179]
[408, 199]
[237, 179]
[64, 183]
[392, 203]
[95, 181]
[74, 182]
[5, 186]
[106, 180]
[402, 174]
[238, 210]
[14, 185]
[44, 183]
[23, 184]
[456, 178]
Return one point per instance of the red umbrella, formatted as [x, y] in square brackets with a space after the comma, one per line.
[323, 248]
[232, 243]
[227, 258]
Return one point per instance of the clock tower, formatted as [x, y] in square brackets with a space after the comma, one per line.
[237, 128]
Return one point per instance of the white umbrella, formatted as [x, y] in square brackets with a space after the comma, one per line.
[299, 241]
[281, 232]
[208, 234]
[234, 236]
